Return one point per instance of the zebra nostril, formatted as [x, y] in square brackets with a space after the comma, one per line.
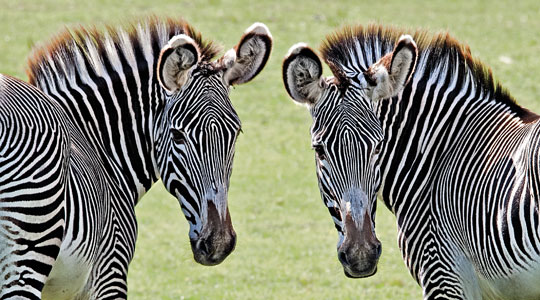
[202, 247]
[379, 249]
[343, 258]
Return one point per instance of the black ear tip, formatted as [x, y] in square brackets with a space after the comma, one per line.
[296, 49]
[293, 52]
[184, 41]
[258, 33]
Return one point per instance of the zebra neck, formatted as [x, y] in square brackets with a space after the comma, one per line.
[115, 114]
[105, 82]
[429, 120]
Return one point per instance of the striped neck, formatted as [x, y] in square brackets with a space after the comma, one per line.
[449, 94]
[442, 106]
[106, 84]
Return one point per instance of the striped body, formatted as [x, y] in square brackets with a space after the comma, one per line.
[108, 129]
[459, 162]
[460, 172]
[32, 189]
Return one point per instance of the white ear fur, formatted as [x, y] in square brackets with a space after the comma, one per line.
[302, 74]
[403, 62]
[258, 28]
[250, 55]
[392, 72]
[175, 61]
[229, 58]
[383, 89]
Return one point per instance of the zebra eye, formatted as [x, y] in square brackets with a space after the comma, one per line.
[378, 148]
[319, 150]
[178, 136]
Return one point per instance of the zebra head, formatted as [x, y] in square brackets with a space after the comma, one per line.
[198, 131]
[348, 140]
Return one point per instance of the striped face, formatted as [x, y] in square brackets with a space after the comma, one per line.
[198, 131]
[199, 136]
[348, 140]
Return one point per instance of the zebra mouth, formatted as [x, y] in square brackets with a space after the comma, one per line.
[360, 273]
[204, 254]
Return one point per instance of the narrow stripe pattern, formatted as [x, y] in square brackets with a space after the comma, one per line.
[34, 153]
[78, 154]
[459, 165]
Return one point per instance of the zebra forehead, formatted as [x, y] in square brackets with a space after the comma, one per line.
[346, 132]
[203, 97]
[220, 121]
[344, 115]
[207, 118]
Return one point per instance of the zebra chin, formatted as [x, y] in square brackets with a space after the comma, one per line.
[217, 240]
[360, 274]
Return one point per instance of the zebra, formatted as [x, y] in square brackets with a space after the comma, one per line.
[421, 123]
[106, 114]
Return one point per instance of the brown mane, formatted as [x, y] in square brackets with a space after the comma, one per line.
[336, 51]
[61, 48]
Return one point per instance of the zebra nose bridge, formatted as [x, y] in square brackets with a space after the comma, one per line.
[218, 238]
[358, 226]
[355, 204]
[360, 249]
[217, 220]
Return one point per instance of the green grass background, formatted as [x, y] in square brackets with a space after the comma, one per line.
[286, 239]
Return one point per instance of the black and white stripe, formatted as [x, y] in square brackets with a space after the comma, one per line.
[459, 165]
[76, 157]
[34, 153]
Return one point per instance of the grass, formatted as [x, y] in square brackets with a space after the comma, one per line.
[286, 240]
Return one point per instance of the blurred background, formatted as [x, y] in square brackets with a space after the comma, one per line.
[286, 239]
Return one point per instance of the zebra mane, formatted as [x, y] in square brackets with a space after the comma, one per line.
[353, 49]
[60, 56]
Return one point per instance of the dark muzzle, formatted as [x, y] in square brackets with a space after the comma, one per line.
[360, 251]
[217, 240]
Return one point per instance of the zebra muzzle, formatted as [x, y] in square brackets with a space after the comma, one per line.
[360, 251]
[217, 241]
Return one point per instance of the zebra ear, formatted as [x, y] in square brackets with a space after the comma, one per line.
[392, 72]
[403, 62]
[249, 57]
[302, 74]
[175, 62]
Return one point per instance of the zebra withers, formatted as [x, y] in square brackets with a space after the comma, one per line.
[451, 153]
[116, 111]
